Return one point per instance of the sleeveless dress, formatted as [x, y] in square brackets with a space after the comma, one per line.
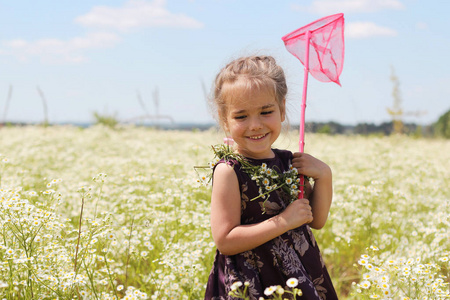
[293, 254]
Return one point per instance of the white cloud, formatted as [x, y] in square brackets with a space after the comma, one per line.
[57, 50]
[132, 15]
[350, 6]
[358, 30]
[136, 14]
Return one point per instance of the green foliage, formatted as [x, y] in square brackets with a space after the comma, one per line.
[325, 129]
[110, 121]
[442, 127]
[396, 111]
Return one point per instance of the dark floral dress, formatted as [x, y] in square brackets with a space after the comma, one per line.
[293, 254]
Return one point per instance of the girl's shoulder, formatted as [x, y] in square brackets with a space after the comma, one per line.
[233, 164]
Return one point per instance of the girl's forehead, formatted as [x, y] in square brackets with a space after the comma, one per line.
[242, 104]
[246, 98]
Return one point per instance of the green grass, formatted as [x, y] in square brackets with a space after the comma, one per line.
[144, 229]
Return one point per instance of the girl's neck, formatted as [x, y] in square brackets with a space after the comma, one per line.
[255, 156]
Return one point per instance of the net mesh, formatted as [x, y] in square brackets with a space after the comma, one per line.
[326, 52]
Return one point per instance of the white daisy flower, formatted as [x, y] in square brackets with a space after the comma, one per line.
[364, 284]
[292, 282]
[270, 290]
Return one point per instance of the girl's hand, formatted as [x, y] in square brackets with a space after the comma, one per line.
[310, 166]
[322, 193]
[297, 213]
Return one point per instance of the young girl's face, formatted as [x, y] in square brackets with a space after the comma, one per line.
[254, 122]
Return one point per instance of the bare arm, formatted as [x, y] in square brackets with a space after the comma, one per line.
[229, 235]
[321, 196]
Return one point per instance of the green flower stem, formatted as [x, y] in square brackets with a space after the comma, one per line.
[91, 279]
[46, 285]
[128, 252]
[111, 281]
[267, 193]
[75, 269]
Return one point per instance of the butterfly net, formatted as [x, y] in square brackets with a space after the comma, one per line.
[326, 47]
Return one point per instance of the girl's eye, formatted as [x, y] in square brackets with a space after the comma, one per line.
[267, 112]
[240, 117]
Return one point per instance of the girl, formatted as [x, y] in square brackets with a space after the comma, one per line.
[264, 238]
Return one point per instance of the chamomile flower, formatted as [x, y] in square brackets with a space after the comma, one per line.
[363, 261]
[270, 290]
[365, 284]
[292, 282]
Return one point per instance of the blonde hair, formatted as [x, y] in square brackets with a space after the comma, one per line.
[249, 73]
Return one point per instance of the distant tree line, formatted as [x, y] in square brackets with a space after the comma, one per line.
[386, 128]
[441, 128]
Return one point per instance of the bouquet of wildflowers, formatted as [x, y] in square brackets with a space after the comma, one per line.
[267, 179]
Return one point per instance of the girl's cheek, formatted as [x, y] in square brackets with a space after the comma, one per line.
[238, 125]
[241, 127]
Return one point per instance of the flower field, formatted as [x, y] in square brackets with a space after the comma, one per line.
[119, 214]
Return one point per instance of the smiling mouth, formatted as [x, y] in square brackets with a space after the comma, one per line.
[257, 137]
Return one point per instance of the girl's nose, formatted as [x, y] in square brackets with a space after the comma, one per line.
[255, 124]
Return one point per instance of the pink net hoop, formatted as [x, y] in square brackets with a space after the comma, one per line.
[326, 42]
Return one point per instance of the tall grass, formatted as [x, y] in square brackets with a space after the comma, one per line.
[109, 214]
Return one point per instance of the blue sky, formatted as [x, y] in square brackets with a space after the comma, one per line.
[98, 55]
